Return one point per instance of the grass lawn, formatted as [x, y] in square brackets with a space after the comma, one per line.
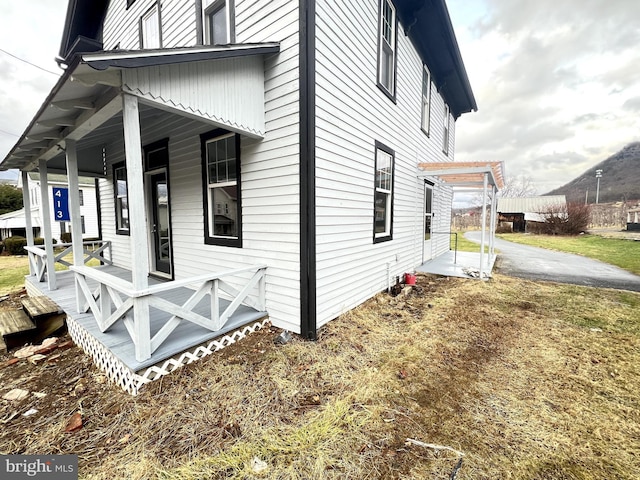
[622, 253]
[527, 380]
[12, 272]
[465, 245]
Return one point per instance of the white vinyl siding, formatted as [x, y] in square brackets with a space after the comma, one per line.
[351, 116]
[270, 166]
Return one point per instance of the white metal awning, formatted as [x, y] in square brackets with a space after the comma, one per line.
[465, 174]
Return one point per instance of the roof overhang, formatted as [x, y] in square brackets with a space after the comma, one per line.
[87, 96]
[465, 174]
[428, 24]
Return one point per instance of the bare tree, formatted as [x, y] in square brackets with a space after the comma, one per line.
[518, 186]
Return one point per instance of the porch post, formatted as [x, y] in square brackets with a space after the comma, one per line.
[483, 224]
[137, 223]
[26, 202]
[74, 210]
[46, 224]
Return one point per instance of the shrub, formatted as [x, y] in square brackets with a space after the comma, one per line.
[1, 247]
[504, 228]
[65, 237]
[569, 219]
[15, 245]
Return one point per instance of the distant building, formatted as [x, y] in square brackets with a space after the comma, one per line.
[518, 212]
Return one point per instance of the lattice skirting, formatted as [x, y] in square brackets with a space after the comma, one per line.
[131, 381]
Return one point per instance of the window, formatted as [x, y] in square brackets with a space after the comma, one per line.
[150, 29]
[220, 22]
[221, 174]
[445, 132]
[387, 33]
[82, 224]
[426, 100]
[81, 194]
[383, 202]
[122, 202]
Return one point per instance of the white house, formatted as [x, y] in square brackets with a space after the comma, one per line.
[280, 136]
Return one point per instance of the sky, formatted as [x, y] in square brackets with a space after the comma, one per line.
[557, 82]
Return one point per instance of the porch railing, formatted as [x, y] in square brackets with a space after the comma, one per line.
[117, 300]
[95, 249]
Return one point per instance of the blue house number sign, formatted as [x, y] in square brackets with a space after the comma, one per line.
[61, 204]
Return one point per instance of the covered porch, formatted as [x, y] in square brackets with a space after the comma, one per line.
[488, 178]
[219, 321]
[138, 316]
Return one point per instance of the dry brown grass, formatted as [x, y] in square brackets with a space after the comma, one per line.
[510, 372]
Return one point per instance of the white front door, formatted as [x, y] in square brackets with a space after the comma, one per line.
[428, 216]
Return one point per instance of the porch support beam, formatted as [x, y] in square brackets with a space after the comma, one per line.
[137, 224]
[26, 203]
[46, 224]
[493, 222]
[483, 225]
[74, 211]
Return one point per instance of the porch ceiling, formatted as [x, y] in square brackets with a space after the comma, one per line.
[465, 174]
[85, 104]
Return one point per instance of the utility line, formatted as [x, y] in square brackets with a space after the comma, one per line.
[28, 62]
[9, 133]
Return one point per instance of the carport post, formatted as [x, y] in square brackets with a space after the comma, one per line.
[492, 222]
[46, 224]
[483, 225]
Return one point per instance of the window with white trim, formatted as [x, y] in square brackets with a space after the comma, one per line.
[383, 195]
[223, 211]
[81, 195]
[426, 100]
[387, 46]
[150, 28]
[121, 198]
[219, 21]
[445, 132]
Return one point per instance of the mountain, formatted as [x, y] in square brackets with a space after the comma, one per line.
[620, 179]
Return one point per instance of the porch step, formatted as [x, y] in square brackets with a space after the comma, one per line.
[16, 329]
[38, 319]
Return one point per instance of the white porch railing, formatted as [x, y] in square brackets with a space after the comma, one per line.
[93, 249]
[133, 309]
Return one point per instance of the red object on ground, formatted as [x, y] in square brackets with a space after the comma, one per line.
[409, 279]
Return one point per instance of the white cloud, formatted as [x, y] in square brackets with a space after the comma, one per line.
[556, 83]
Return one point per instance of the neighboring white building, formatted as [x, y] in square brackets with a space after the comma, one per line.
[13, 223]
[285, 134]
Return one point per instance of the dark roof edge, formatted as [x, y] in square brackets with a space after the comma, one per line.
[142, 58]
[457, 57]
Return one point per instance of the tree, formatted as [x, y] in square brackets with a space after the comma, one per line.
[569, 219]
[10, 199]
[518, 186]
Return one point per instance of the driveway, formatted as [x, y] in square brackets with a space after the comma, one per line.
[539, 264]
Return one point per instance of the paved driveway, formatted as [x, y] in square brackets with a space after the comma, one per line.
[539, 264]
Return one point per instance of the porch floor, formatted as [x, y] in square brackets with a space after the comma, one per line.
[117, 339]
[451, 264]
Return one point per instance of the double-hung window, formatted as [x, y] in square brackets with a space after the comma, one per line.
[223, 210]
[387, 48]
[445, 130]
[219, 22]
[383, 195]
[150, 29]
[426, 100]
[121, 198]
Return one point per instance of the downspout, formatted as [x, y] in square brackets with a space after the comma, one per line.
[307, 107]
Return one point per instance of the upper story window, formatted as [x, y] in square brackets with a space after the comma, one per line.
[121, 198]
[426, 100]
[387, 48]
[222, 202]
[150, 28]
[219, 21]
[445, 131]
[81, 194]
[383, 195]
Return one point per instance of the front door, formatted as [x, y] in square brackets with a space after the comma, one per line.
[428, 216]
[160, 228]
